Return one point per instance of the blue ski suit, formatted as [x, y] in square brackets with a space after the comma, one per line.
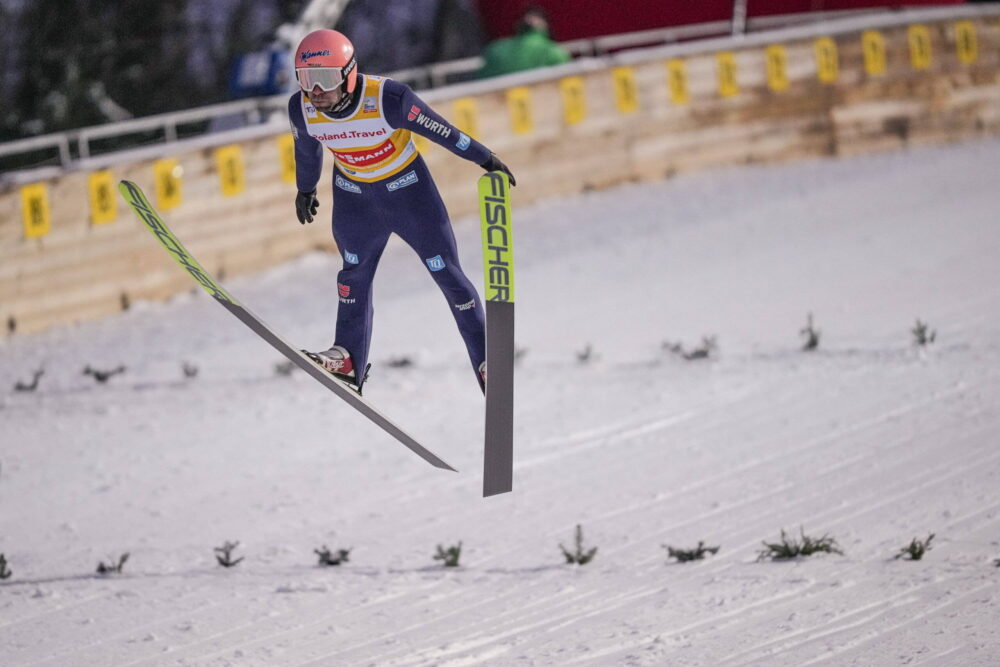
[382, 186]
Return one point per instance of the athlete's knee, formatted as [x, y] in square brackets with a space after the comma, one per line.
[439, 265]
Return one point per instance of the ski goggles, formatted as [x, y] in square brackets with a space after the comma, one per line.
[327, 78]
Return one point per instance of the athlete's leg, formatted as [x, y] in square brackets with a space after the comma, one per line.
[424, 225]
[360, 239]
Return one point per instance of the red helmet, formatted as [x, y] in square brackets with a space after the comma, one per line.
[325, 58]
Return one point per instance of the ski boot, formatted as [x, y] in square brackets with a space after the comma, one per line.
[337, 362]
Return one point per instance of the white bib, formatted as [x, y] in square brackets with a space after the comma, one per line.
[364, 146]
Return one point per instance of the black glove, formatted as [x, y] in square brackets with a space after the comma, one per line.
[494, 164]
[305, 206]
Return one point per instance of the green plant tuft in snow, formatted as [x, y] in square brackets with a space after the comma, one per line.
[579, 556]
[790, 547]
[112, 567]
[224, 554]
[686, 555]
[449, 557]
[326, 557]
[916, 549]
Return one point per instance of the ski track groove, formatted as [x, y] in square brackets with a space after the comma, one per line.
[270, 621]
[852, 429]
[549, 623]
[937, 658]
[832, 491]
[476, 640]
[815, 591]
[837, 623]
[720, 620]
[518, 612]
[865, 502]
[322, 605]
[418, 626]
[106, 639]
[723, 510]
[48, 612]
[816, 442]
[640, 429]
[908, 489]
[715, 625]
[633, 425]
[310, 629]
[933, 478]
[874, 635]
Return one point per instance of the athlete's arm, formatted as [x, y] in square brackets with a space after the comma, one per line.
[308, 149]
[404, 109]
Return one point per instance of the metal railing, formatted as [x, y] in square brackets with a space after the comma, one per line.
[59, 141]
[239, 113]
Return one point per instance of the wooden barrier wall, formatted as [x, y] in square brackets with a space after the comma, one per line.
[72, 251]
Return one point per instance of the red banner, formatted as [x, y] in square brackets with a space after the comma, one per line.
[576, 19]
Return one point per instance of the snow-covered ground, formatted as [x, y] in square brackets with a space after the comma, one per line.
[869, 440]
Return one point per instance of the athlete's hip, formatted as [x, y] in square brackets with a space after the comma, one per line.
[410, 191]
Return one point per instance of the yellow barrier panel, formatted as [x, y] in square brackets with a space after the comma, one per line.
[966, 42]
[167, 174]
[422, 143]
[519, 107]
[286, 154]
[103, 200]
[35, 210]
[574, 99]
[827, 60]
[725, 62]
[919, 37]
[232, 173]
[777, 68]
[467, 116]
[677, 82]
[873, 45]
[626, 91]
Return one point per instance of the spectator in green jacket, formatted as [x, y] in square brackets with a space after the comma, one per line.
[529, 48]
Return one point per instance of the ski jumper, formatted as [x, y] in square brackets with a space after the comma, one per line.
[382, 186]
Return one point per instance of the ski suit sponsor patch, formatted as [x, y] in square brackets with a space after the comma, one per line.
[466, 306]
[463, 141]
[347, 185]
[350, 257]
[351, 134]
[414, 112]
[345, 293]
[409, 178]
[435, 263]
[432, 125]
[367, 157]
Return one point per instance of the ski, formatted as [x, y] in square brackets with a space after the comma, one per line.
[498, 268]
[147, 214]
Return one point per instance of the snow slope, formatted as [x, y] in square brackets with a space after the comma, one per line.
[868, 439]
